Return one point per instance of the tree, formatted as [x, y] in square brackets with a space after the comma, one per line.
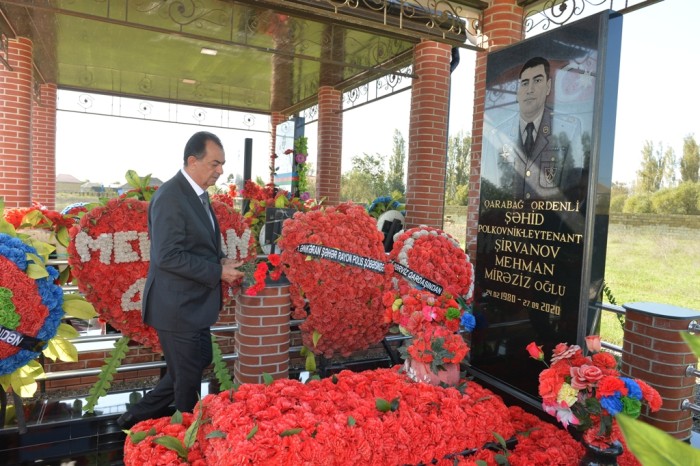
[394, 178]
[356, 186]
[457, 171]
[690, 162]
[668, 179]
[366, 180]
[651, 174]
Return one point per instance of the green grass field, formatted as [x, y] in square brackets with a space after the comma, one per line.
[651, 264]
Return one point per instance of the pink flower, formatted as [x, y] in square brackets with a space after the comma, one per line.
[429, 313]
[593, 343]
[562, 412]
[585, 376]
[562, 351]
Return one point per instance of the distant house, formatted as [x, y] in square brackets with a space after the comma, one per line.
[92, 188]
[68, 184]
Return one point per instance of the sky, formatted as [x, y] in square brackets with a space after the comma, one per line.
[658, 101]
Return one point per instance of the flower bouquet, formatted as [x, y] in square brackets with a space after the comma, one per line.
[587, 391]
[384, 204]
[256, 273]
[300, 153]
[430, 300]
[262, 197]
[39, 223]
[433, 322]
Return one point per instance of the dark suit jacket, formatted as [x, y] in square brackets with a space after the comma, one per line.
[183, 288]
[552, 169]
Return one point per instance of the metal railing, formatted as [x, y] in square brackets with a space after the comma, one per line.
[619, 310]
[692, 371]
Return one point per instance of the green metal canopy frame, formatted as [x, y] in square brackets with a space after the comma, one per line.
[258, 56]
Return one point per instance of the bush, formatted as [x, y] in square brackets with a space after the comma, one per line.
[617, 202]
[689, 194]
[638, 204]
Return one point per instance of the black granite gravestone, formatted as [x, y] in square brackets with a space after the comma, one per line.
[543, 211]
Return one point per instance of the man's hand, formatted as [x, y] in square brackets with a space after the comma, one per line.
[229, 270]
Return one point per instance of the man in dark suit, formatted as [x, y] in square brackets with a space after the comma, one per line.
[538, 153]
[183, 296]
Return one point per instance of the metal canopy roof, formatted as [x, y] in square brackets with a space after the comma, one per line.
[259, 56]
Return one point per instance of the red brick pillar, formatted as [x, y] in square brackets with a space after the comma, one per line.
[654, 352]
[276, 118]
[44, 147]
[15, 125]
[503, 26]
[262, 340]
[330, 144]
[427, 135]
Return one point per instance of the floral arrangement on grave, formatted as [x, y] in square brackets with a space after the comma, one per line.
[587, 391]
[262, 197]
[300, 154]
[334, 259]
[228, 197]
[366, 418]
[45, 225]
[32, 305]
[384, 204]
[109, 253]
[257, 272]
[431, 302]
[434, 323]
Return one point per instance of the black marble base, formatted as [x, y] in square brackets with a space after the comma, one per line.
[59, 432]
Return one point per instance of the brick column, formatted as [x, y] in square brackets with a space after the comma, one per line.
[502, 25]
[427, 135]
[654, 352]
[43, 168]
[330, 144]
[276, 118]
[262, 340]
[15, 124]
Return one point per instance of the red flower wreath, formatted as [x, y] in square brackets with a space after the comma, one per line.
[437, 256]
[345, 300]
[109, 254]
